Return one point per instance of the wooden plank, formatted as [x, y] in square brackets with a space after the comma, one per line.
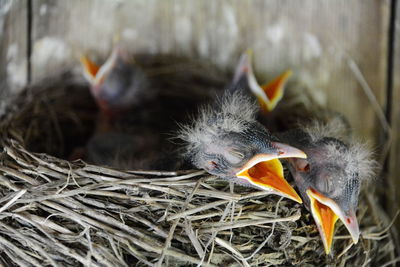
[13, 48]
[316, 39]
[394, 163]
[64, 30]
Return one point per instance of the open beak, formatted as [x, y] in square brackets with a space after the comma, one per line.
[265, 171]
[95, 74]
[90, 69]
[269, 94]
[274, 91]
[107, 67]
[326, 212]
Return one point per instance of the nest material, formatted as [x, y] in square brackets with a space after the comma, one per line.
[60, 213]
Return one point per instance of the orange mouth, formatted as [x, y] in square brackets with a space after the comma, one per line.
[274, 91]
[324, 217]
[326, 212]
[268, 175]
[90, 68]
[269, 94]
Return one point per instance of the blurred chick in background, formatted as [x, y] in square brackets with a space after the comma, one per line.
[119, 86]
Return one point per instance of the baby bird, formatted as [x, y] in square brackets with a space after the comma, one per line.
[120, 89]
[227, 141]
[119, 84]
[329, 179]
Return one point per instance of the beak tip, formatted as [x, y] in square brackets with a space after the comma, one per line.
[351, 224]
[355, 238]
[327, 247]
[296, 197]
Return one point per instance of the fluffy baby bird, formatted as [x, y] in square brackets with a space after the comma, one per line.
[329, 179]
[227, 141]
[119, 84]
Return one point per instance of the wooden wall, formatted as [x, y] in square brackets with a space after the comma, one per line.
[394, 160]
[337, 47]
[316, 39]
[13, 48]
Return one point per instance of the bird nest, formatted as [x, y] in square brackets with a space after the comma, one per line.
[56, 212]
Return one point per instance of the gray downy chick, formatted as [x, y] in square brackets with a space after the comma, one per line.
[329, 179]
[227, 141]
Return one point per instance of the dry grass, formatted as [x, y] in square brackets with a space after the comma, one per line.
[60, 213]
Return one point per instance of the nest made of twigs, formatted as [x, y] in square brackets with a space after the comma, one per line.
[60, 213]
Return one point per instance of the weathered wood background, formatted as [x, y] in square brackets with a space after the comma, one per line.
[394, 158]
[13, 47]
[340, 48]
